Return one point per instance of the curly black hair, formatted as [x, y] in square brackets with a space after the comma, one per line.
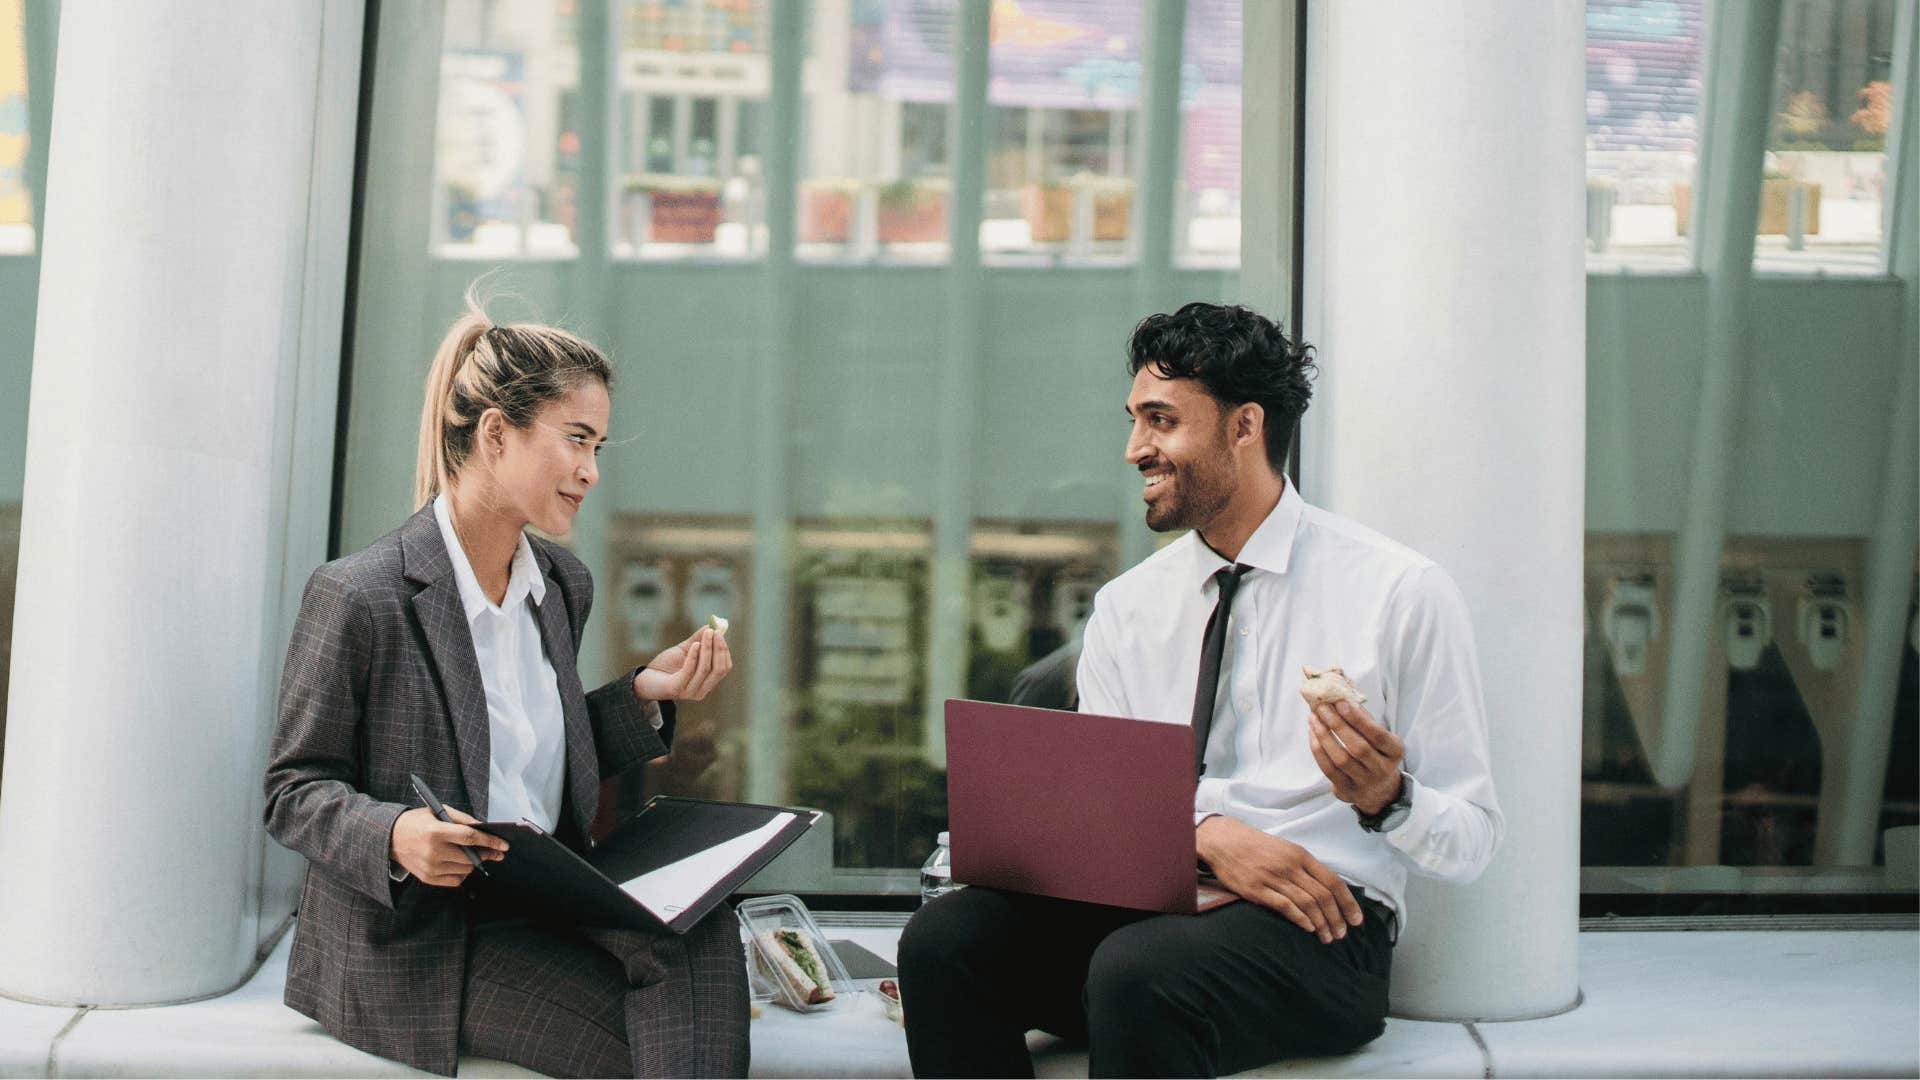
[1239, 356]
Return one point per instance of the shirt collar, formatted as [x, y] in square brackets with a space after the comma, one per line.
[523, 578]
[1269, 548]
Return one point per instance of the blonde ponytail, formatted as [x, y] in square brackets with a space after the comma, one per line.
[480, 366]
[433, 470]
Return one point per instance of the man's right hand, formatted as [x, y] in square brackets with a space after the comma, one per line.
[429, 848]
[1278, 874]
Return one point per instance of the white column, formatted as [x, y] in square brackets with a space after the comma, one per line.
[1447, 296]
[189, 311]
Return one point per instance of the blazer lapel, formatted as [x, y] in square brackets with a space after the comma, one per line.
[556, 633]
[450, 640]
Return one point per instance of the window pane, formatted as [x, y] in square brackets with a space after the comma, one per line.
[506, 143]
[1208, 205]
[16, 200]
[693, 75]
[1065, 90]
[1772, 775]
[1644, 65]
[26, 48]
[1823, 194]
[951, 484]
[876, 175]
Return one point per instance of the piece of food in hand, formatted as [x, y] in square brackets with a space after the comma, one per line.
[718, 623]
[1329, 687]
[890, 999]
[796, 959]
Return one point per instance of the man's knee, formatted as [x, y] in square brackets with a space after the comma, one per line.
[1132, 981]
[941, 931]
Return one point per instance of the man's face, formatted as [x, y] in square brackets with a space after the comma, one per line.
[1179, 444]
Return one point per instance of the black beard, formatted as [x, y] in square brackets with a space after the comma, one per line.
[1195, 502]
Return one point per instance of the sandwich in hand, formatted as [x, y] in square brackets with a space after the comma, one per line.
[1329, 687]
[790, 951]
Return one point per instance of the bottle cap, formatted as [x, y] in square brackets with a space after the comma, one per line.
[942, 839]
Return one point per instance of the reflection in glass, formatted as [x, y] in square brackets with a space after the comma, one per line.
[506, 144]
[1644, 70]
[1781, 776]
[16, 199]
[849, 552]
[26, 66]
[1208, 204]
[690, 74]
[1072, 73]
[1823, 194]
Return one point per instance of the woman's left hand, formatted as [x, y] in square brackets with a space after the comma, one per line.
[687, 672]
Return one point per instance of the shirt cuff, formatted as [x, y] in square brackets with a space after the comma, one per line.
[1410, 836]
[396, 873]
[651, 710]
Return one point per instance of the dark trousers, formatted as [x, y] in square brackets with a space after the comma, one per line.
[570, 1001]
[1152, 995]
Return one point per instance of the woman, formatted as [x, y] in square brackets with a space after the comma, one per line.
[447, 648]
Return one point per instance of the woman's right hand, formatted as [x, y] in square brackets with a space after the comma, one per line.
[429, 848]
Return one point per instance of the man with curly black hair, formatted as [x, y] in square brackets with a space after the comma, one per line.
[1330, 678]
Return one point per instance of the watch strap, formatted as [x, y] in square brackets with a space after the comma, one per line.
[1400, 804]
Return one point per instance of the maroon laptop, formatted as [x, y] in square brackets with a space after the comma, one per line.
[1094, 808]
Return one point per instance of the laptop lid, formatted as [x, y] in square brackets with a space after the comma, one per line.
[1094, 808]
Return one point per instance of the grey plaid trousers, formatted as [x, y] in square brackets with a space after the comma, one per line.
[562, 1001]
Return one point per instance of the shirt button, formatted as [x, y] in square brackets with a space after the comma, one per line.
[1243, 631]
[1246, 705]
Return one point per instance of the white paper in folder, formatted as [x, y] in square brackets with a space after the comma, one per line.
[669, 890]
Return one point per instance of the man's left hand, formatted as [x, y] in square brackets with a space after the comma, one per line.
[1361, 757]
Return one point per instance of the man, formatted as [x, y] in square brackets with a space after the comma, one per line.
[1313, 817]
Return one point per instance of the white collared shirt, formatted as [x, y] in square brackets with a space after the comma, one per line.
[1324, 591]
[526, 729]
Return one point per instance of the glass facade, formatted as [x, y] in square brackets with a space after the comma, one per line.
[1823, 205]
[893, 461]
[904, 464]
[26, 81]
[16, 196]
[1786, 772]
[1645, 64]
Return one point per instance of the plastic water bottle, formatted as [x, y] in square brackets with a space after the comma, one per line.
[936, 875]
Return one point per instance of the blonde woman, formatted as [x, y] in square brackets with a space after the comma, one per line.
[448, 648]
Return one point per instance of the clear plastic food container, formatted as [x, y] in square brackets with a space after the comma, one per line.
[763, 923]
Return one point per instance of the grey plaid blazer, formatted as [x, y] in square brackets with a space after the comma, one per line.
[382, 680]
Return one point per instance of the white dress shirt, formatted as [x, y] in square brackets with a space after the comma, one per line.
[1324, 591]
[527, 734]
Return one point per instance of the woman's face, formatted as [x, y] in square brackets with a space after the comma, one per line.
[544, 470]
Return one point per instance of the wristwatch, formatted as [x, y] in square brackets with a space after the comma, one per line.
[1390, 815]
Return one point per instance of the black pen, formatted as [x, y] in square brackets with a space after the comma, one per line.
[426, 795]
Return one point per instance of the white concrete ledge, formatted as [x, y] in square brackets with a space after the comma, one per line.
[1739, 1003]
[1703, 1003]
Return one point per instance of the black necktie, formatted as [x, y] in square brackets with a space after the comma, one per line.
[1227, 578]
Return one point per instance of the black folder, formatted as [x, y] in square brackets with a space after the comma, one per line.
[546, 877]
